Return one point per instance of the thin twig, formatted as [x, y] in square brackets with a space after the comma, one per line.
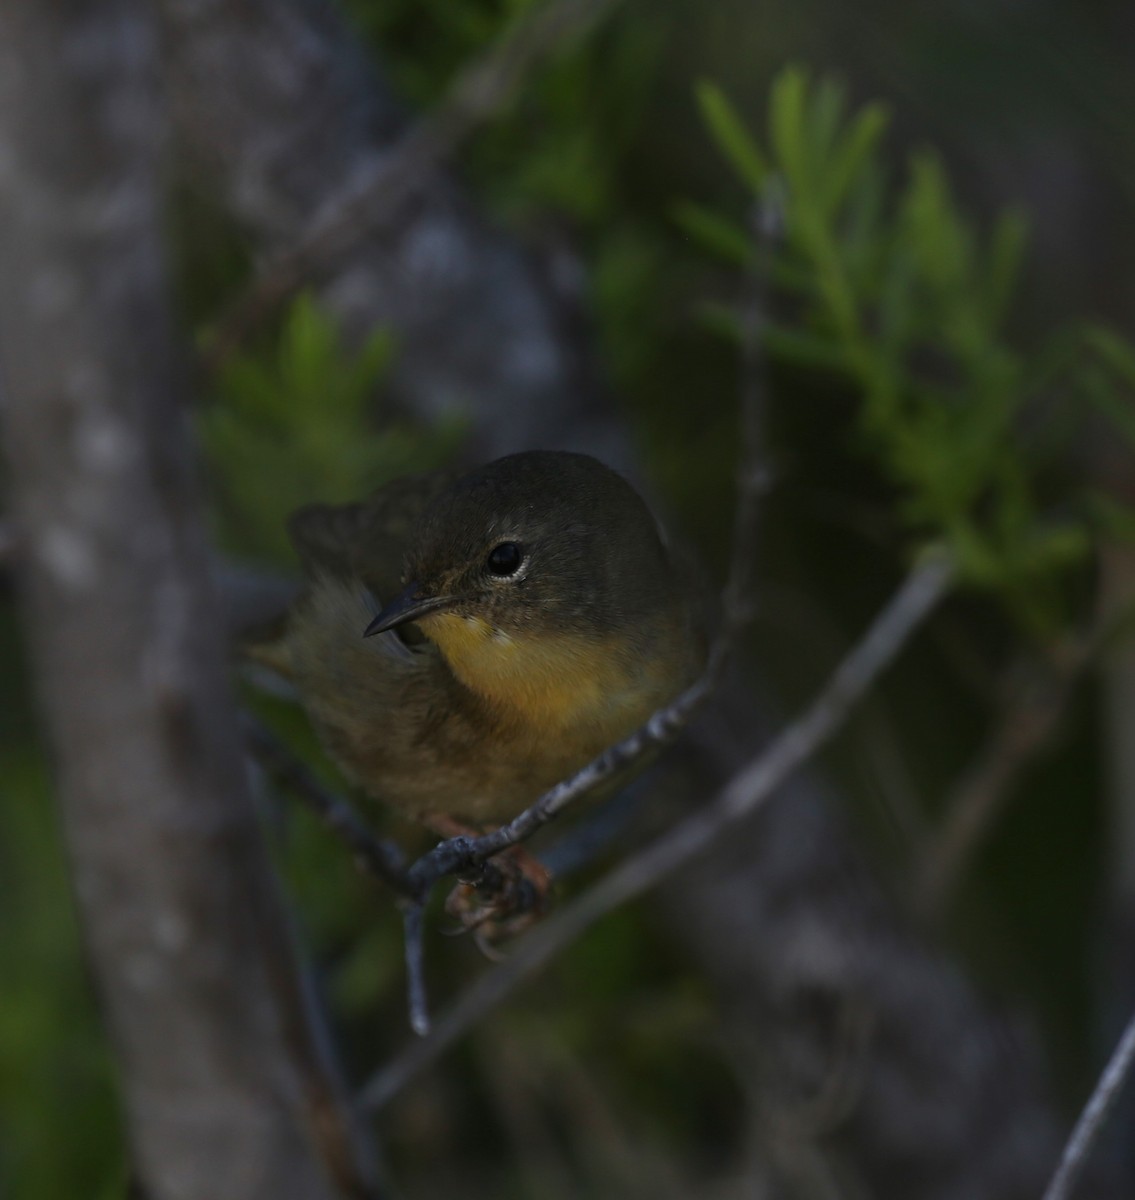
[374, 201]
[377, 857]
[460, 855]
[1034, 706]
[345, 1143]
[1100, 1105]
[413, 918]
[741, 796]
[1030, 714]
[754, 477]
[600, 833]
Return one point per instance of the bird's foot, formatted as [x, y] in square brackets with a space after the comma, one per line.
[508, 895]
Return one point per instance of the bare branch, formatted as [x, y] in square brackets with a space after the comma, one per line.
[459, 855]
[1100, 1105]
[413, 917]
[1029, 716]
[743, 794]
[376, 199]
[1037, 698]
[754, 476]
[379, 858]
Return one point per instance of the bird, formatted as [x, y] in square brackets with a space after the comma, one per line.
[465, 641]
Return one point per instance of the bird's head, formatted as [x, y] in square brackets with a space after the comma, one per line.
[534, 573]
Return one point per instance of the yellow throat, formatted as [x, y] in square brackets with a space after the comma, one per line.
[550, 681]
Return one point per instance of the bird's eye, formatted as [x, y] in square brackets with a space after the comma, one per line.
[505, 559]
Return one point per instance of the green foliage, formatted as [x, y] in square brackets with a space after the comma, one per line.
[59, 1116]
[555, 148]
[434, 38]
[731, 137]
[297, 426]
[894, 288]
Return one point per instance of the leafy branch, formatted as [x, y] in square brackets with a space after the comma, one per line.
[893, 288]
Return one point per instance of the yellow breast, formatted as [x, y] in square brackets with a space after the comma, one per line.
[553, 681]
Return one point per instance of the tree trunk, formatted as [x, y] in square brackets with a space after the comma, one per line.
[186, 943]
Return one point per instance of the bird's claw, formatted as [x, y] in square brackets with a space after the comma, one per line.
[508, 897]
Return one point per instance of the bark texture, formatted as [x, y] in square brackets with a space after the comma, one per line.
[175, 893]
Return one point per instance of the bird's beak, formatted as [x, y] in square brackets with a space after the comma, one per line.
[408, 606]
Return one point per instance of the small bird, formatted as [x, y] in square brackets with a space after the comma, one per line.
[465, 642]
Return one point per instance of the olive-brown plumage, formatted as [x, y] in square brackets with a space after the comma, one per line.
[533, 614]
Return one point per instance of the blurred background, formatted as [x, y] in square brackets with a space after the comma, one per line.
[903, 980]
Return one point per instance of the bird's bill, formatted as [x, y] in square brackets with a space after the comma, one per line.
[408, 606]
